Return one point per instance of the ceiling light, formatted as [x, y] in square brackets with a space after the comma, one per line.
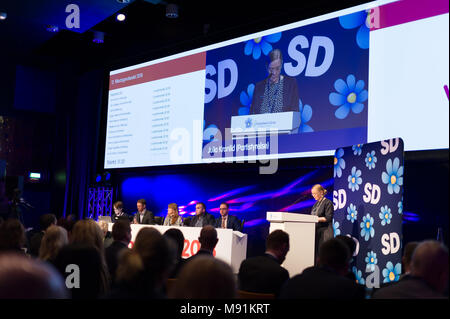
[3, 15]
[120, 17]
[52, 28]
[171, 11]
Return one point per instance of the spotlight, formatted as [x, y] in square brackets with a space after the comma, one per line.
[98, 178]
[171, 11]
[52, 28]
[107, 176]
[123, 1]
[120, 17]
[99, 37]
[3, 15]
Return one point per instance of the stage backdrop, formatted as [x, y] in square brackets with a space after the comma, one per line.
[368, 206]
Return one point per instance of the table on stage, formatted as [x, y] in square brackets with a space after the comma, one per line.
[231, 247]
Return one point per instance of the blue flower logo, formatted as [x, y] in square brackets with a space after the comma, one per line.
[305, 114]
[357, 149]
[400, 206]
[371, 159]
[209, 134]
[359, 19]
[339, 163]
[336, 229]
[371, 261]
[358, 274]
[248, 123]
[391, 273]
[393, 176]
[367, 229]
[246, 100]
[385, 215]
[354, 179]
[351, 95]
[352, 213]
[255, 46]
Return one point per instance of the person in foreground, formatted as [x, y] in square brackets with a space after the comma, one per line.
[428, 278]
[326, 280]
[264, 274]
[208, 241]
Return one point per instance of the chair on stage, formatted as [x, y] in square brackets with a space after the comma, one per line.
[242, 294]
[242, 224]
[159, 220]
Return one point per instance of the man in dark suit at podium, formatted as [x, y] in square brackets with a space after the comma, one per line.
[143, 216]
[202, 218]
[264, 274]
[227, 221]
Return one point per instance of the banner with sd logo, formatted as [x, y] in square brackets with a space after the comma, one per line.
[368, 206]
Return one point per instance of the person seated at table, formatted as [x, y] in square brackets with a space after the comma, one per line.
[143, 215]
[119, 213]
[202, 218]
[227, 221]
[172, 218]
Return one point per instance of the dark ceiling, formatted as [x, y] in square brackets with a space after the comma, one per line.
[146, 33]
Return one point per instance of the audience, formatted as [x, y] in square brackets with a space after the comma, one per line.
[12, 236]
[352, 247]
[264, 274]
[45, 221]
[208, 241]
[55, 238]
[326, 280]
[205, 278]
[25, 278]
[121, 233]
[177, 236]
[107, 236]
[428, 277]
[406, 258]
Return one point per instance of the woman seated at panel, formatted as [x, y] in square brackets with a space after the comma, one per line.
[173, 218]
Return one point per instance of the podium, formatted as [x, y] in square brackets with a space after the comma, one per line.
[302, 233]
[251, 125]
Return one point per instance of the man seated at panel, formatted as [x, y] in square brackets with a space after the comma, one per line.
[119, 213]
[202, 218]
[227, 221]
[143, 215]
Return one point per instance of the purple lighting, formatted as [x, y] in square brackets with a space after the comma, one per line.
[231, 193]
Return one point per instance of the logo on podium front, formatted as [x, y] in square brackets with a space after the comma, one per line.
[248, 123]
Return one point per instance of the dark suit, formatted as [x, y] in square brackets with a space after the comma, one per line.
[115, 218]
[232, 223]
[262, 274]
[112, 256]
[199, 253]
[208, 219]
[321, 283]
[324, 230]
[148, 219]
[408, 288]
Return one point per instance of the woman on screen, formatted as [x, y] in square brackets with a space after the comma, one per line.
[276, 93]
[172, 218]
[323, 208]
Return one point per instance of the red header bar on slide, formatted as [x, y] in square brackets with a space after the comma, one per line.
[405, 11]
[187, 64]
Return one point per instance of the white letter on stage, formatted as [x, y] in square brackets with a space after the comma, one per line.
[316, 43]
[180, 152]
[296, 55]
[73, 279]
[222, 66]
[73, 19]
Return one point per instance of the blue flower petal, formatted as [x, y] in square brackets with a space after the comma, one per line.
[351, 81]
[245, 100]
[273, 37]
[266, 47]
[337, 99]
[305, 128]
[341, 87]
[362, 37]
[307, 113]
[248, 47]
[396, 164]
[400, 171]
[256, 52]
[340, 152]
[389, 167]
[357, 108]
[362, 96]
[353, 20]
[359, 86]
[342, 112]
[244, 111]
[250, 90]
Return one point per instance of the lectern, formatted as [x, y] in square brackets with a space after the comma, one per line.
[301, 229]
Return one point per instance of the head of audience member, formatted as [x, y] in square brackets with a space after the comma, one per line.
[46, 220]
[118, 207]
[172, 212]
[26, 278]
[224, 208]
[177, 236]
[205, 278]
[351, 244]
[141, 205]
[407, 255]
[277, 244]
[83, 268]
[275, 65]
[54, 239]
[335, 255]
[208, 238]
[88, 232]
[121, 231]
[103, 226]
[157, 258]
[430, 262]
[12, 235]
[318, 192]
[200, 209]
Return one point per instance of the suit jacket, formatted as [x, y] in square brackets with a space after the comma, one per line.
[115, 218]
[262, 274]
[199, 253]
[232, 223]
[325, 209]
[321, 283]
[148, 218]
[208, 219]
[408, 288]
[112, 256]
